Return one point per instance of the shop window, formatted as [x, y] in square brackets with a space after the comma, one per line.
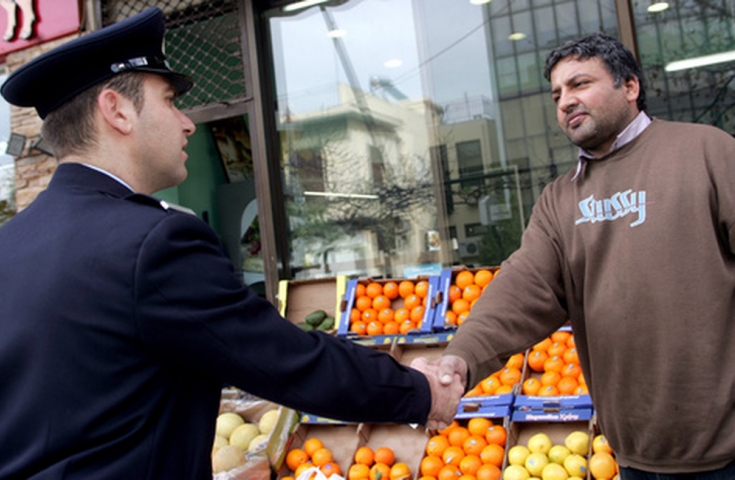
[469, 159]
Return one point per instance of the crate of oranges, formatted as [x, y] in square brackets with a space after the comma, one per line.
[459, 290]
[388, 307]
[498, 388]
[471, 449]
[328, 448]
[553, 376]
[387, 452]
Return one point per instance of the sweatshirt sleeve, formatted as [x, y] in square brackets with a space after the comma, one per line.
[196, 316]
[521, 306]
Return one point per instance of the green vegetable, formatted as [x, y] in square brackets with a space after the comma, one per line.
[327, 324]
[305, 326]
[316, 317]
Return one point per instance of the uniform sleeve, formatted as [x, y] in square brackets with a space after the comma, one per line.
[521, 306]
[195, 315]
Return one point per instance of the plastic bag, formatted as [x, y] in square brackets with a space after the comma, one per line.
[314, 473]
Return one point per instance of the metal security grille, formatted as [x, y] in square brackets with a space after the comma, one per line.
[203, 40]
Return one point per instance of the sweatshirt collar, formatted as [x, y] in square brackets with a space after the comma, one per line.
[634, 128]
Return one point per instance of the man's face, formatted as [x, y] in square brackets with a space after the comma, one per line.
[162, 136]
[590, 110]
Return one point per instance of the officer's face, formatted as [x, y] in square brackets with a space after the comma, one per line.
[590, 109]
[162, 135]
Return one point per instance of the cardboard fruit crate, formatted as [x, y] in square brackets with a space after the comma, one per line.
[341, 439]
[447, 281]
[298, 298]
[350, 307]
[544, 399]
[407, 442]
[520, 432]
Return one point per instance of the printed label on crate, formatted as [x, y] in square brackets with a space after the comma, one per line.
[561, 401]
[316, 419]
[483, 410]
[533, 415]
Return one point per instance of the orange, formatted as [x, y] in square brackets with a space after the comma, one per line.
[330, 469]
[406, 326]
[360, 290]
[554, 364]
[430, 465]
[405, 288]
[422, 288]
[490, 384]
[287, 478]
[426, 477]
[488, 472]
[550, 378]
[301, 468]
[556, 349]
[450, 318]
[458, 435]
[359, 328]
[479, 425]
[380, 302]
[311, 445]
[391, 328]
[475, 391]
[469, 464]
[492, 454]
[474, 445]
[445, 431]
[548, 391]
[355, 315]
[454, 293]
[471, 292]
[571, 370]
[543, 344]
[561, 336]
[374, 327]
[379, 471]
[531, 386]
[296, 457]
[571, 343]
[581, 390]
[536, 360]
[373, 289]
[571, 355]
[449, 472]
[567, 385]
[602, 465]
[515, 361]
[464, 278]
[399, 471]
[462, 317]
[412, 301]
[417, 314]
[369, 315]
[503, 389]
[483, 277]
[581, 379]
[363, 303]
[385, 455]
[322, 457]
[401, 315]
[496, 435]
[460, 306]
[358, 471]
[510, 376]
[365, 456]
[386, 315]
[390, 290]
[436, 445]
[453, 455]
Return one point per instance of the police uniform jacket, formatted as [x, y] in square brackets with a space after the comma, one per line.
[121, 320]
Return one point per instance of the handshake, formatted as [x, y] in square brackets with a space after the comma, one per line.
[447, 378]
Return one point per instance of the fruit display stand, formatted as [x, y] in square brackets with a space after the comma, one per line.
[298, 299]
[407, 442]
[267, 456]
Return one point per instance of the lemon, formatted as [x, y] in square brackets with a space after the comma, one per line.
[535, 463]
[268, 421]
[539, 442]
[576, 465]
[227, 422]
[554, 471]
[515, 472]
[243, 435]
[517, 455]
[578, 442]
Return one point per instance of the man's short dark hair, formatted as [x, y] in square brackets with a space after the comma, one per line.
[70, 129]
[618, 60]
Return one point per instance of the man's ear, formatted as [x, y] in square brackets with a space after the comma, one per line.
[117, 111]
[632, 88]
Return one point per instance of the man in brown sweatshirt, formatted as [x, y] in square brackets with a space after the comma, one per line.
[637, 248]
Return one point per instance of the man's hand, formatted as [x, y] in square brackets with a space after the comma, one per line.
[445, 392]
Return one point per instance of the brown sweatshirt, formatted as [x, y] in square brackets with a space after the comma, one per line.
[638, 253]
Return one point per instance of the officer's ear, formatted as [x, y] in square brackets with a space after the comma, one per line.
[116, 110]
